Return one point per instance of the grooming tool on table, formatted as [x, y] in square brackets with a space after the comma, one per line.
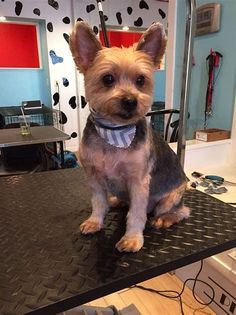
[218, 180]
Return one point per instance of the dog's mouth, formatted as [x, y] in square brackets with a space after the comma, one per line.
[125, 115]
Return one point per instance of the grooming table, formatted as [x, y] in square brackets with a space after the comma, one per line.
[47, 266]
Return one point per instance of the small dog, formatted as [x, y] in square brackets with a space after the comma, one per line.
[122, 158]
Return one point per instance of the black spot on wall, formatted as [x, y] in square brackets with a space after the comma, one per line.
[63, 118]
[162, 13]
[66, 20]
[83, 101]
[54, 4]
[36, 11]
[72, 102]
[66, 37]
[74, 135]
[18, 8]
[50, 27]
[79, 19]
[95, 29]
[56, 98]
[129, 10]
[138, 22]
[143, 5]
[105, 18]
[119, 18]
[90, 8]
[65, 82]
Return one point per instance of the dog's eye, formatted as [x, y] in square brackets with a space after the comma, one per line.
[140, 81]
[108, 80]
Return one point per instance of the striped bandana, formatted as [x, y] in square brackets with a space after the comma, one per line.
[120, 136]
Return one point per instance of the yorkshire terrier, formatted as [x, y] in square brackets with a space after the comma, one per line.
[123, 159]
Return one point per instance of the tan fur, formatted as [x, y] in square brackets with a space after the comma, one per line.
[123, 172]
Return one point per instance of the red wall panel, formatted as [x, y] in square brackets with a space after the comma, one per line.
[119, 38]
[18, 46]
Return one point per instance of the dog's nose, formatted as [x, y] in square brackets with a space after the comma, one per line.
[129, 103]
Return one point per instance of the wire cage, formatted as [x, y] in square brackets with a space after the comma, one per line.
[45, 116]
[157, 121]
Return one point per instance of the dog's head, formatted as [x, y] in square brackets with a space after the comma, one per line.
[118, 81]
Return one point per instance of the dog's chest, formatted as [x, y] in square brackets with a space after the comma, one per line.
[113, 164]
[118, 164]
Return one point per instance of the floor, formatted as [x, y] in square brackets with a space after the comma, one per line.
[149, 303]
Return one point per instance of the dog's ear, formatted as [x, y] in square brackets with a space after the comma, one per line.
[84, 45]
[153, 42]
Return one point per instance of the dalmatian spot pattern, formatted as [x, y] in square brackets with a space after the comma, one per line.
[72, 102]
[63, 118]
[66, 37]
[129, 10]
[119, 18]
[59, 22]
[143, 5]
[56, 98]
[18, 8]
[36, 11]
[162, 13]
[66, 20]
[90, 8]
[83, 102]
[74, 135]
[50, 27]
[65, 82]
[54, 4]
[95, 29]
[138, 22]
[54, 58]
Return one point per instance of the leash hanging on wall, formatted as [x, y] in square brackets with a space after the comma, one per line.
[213, 62]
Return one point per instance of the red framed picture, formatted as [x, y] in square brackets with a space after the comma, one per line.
[19, 46]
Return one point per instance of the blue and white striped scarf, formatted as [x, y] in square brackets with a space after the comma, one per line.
[120, 136]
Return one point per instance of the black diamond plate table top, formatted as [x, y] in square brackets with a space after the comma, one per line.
[47, 266]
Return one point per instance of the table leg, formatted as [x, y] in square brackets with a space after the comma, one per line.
[62, 154]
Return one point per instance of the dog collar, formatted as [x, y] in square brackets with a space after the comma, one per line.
[120, 136]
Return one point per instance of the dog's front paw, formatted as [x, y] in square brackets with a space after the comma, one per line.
[130, 243]
[90, 226]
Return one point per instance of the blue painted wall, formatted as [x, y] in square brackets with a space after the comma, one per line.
[17, 85]
[223, 41]
[159, 85]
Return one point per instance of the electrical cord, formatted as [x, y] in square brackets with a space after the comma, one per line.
[172, 294]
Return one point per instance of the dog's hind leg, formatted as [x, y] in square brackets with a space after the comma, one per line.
[170, 209]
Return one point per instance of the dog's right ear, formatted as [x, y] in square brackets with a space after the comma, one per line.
[84, 45]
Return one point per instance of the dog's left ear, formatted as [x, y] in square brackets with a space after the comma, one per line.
[153, 42]
[84, 45]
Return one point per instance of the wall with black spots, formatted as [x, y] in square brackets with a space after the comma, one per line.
[58, 15]
[59, 22]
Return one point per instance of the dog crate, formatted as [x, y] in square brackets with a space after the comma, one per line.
[44, 116]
